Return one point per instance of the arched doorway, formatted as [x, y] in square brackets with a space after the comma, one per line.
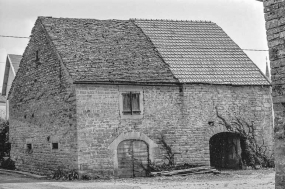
[225, 151]
[133, 158]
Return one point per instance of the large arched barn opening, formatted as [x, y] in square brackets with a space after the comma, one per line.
[225, 151]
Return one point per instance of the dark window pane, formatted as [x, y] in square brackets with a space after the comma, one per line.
[135, 102]
[54, 145]
[29, 146]
[126, 102]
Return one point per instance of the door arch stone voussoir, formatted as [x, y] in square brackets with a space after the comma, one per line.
[129, 136]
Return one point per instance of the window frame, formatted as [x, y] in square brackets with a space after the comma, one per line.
[132, 90]
[131, 111]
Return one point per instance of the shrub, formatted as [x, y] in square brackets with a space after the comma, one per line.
[61, 174]
[8, 164]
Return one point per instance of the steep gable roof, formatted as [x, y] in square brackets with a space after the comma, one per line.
[201, 52]
[13, 62]
[150, 51]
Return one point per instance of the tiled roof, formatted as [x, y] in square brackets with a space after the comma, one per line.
[106, 50]
[150, 51]
[201, 52]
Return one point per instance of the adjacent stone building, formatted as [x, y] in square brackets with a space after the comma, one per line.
[97, 95]
[11, 68]
[275, 24]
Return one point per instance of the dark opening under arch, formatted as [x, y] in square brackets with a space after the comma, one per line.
[225, 151]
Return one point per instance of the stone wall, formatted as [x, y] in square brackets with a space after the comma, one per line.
[181, 114]
[275, 24]
[42, 110]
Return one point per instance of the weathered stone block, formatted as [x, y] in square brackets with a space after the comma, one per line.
[272, 24]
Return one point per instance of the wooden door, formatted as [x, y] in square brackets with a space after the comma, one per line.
[132, 157]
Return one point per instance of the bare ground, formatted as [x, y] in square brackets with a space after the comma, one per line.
[241, 179]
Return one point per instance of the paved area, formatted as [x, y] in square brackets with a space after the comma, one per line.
[249, 179]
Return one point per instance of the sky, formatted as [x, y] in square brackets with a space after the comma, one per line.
[242, 20]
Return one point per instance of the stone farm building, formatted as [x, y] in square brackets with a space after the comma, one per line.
[97, 95]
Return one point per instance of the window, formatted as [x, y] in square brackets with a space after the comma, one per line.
[29, 148]
[131, 103]
[54, 146]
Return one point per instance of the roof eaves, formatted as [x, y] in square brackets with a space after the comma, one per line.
[126, 83]
[163, 83]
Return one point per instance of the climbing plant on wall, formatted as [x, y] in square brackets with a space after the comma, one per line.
[254, 153]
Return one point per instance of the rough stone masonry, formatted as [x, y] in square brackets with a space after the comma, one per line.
[275, 24]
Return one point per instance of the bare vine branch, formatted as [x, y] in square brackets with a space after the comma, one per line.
[254, 153]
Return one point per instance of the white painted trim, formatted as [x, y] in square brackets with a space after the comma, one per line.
[11, 66]
[152, 146]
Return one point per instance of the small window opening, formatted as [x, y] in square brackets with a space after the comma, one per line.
[29, 146]
[54, 146]
[131, 103]
[211, 123]
[37, 55]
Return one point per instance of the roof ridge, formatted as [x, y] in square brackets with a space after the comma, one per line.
[81, 19]
[171, 20]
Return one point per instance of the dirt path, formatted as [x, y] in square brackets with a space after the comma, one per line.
[243, 179]
[261, 179]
